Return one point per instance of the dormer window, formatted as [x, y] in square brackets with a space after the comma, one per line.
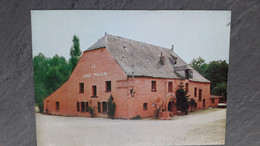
[190, 74]
[186, 74]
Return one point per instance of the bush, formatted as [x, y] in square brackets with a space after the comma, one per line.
[111, 107]
[138, 117]
[40, 106]
[91, 111]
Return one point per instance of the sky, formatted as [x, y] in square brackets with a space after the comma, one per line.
[193, 33]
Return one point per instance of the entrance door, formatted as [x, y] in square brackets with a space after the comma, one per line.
[203, 103]
[170, 106]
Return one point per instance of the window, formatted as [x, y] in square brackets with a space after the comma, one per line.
[154, 86]
[212, 100]
[200, 94]
[57, 106]
[187, 87]
[145, 106]
[87, 106]
[99, 108]
[195, 92]
[81, 87]
[108, 86]
[186, 74]
[94, 91]
[83, 108]
[78, 106]
[104, 107]
[170, 87]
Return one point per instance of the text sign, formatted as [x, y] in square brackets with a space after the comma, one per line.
[101, 74]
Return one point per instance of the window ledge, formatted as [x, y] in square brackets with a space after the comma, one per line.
[94, 96]
[108, 91]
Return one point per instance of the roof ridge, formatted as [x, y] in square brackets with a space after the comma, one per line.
[122, 49]
[157, 46]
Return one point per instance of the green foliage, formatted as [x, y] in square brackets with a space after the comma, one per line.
[215, 71]
[138, 117]
[220, 88]
[182, 102]
[40, 93]
[75, 52]
[49, 75]
[91, 111]
[199, 65]
[111, 107]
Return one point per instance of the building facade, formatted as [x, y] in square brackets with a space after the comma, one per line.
[141, 77]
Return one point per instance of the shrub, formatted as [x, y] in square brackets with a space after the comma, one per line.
[91, 111]
[40, 106]
[111, 107]
[138, 117]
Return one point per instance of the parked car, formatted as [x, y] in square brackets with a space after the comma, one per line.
[222, 105]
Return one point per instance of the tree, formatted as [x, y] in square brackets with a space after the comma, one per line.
[199, 65]
[220, 89]
[111, 107]
[75, 52]
[49, 75]
[182, 102]
[217, 72]
[40, 66]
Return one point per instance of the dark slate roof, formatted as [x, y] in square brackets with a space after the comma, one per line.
[145, 59]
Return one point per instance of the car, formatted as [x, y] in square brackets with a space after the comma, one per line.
[222, 105]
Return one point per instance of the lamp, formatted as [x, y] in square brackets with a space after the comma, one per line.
[132, 92]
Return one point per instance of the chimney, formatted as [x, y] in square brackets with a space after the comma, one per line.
[172, 48]
[162, 59]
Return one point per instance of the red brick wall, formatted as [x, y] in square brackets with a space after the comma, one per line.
[145, 95]
[68, 95]
[216, 102]
[100, 61]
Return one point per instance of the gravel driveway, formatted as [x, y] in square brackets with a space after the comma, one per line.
[202, 127]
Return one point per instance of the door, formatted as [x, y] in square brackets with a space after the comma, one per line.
[203, 103]
[172, 108]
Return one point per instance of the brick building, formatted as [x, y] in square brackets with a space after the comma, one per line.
[140, 76]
